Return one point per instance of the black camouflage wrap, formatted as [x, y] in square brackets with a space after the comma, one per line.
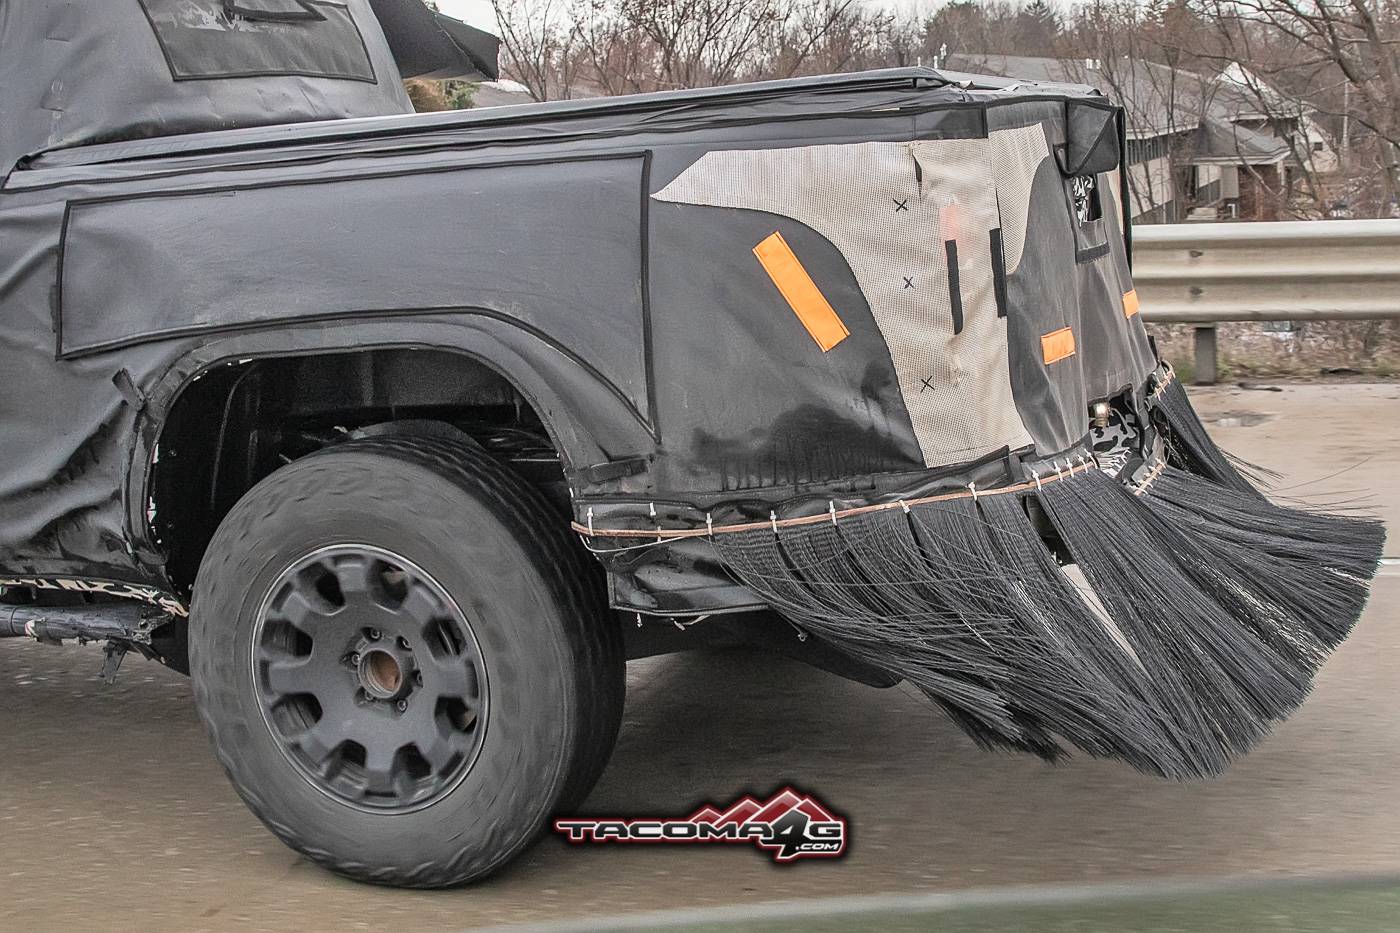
[862, 349]
[643, 331]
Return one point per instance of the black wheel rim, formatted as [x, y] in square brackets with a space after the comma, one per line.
[370, 678]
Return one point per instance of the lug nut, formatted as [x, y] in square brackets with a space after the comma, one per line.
[403, 643]
[373, 634]
[355, 660]
[402, 705]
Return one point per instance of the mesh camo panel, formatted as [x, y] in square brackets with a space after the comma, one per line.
[892, 209]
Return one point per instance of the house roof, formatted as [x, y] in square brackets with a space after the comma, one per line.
[1231, 142]
[1159, 100]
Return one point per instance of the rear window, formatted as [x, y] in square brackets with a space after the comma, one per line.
[204, 39]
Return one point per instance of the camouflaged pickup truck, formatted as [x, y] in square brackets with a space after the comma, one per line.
[401, 433]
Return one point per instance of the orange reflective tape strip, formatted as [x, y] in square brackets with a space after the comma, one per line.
[802, 294]
[1057, 345]
[1130, 303]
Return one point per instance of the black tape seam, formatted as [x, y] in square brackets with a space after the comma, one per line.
[954, 288]
[999, 271]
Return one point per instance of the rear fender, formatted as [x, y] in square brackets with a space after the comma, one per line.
[589, 420]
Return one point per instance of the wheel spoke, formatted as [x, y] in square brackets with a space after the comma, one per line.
[321, 673]
[450, 675]
[287, 676]
[355, 574]
[436, 740]
[421, 605]
[321, 740]
[379, 764]
[303, 607]
[439, 750]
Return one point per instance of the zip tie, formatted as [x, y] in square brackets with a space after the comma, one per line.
[773, 517]
[590, 521]
[905, 506]
[639, 620]
[709, 525]
[831, 505]
[1036, 474]
[972, 487]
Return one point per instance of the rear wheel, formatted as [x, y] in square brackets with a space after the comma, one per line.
[403, 661]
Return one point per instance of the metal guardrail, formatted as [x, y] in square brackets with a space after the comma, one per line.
[1205, 274]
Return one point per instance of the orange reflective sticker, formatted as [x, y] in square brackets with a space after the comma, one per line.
[1130, 303]
[801, 293]
[1057, 345]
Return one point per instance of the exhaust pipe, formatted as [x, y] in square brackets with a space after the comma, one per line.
[85, 623]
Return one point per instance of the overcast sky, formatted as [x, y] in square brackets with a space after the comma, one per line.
[478, 12]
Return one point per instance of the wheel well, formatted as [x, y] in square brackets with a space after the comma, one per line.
[239, 421]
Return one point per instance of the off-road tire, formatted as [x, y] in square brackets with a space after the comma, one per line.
[552, 651]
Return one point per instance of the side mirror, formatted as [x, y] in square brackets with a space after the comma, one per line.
[1091, 139]
[427, 44]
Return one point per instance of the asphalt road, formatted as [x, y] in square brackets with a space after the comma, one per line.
[113, 814]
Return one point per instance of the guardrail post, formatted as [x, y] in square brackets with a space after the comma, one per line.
[1205, 355]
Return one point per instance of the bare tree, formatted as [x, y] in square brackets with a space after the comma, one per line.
[827, 36]
[969, 27]
[1132, 52]
[644, 45]
[1343, 56]
[699, 43]
[619, 59]
[537, 42]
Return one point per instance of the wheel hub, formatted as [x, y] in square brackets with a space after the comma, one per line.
[370, 678]
[382, 675]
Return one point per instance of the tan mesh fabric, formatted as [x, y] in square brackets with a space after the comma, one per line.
[1016, 156]
[890, 208]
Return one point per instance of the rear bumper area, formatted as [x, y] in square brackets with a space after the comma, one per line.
[1207, 611]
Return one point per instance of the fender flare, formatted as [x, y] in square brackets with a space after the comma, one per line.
[589, 420]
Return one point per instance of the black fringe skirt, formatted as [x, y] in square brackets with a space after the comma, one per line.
[1199, 615]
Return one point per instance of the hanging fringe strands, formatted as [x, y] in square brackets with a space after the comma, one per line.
[1202, 649]
[1190, 446]
[1311, 569]
[1208, 611]
[1212, 673]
